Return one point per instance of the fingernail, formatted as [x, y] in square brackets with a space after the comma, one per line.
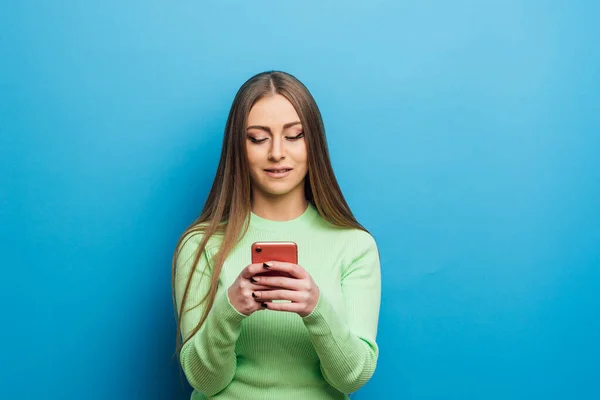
[264, 305]
[253, 280]
[254, 295]
[267, 265]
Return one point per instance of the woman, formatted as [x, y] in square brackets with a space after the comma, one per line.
[246, 335]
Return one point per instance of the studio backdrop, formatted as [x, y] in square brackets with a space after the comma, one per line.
[465, 136]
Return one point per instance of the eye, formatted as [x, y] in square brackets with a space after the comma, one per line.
[298, 136]
[255, 140]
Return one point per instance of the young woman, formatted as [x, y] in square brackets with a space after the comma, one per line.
[310, 334]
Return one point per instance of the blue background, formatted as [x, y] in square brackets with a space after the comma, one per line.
[465, 136]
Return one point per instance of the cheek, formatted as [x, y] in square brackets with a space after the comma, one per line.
[252, 156]
[300, 154]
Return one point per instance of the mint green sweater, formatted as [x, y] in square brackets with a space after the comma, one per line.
[279, 355]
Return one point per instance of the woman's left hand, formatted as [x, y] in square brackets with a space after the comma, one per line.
[298, 287]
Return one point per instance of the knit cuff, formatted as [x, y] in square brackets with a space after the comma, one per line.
[322, 318]
[225, 312]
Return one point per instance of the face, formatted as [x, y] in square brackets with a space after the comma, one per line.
[276, 148]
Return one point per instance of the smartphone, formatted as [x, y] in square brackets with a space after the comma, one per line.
[275, 251]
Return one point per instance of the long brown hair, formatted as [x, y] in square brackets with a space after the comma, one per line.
[227, 208]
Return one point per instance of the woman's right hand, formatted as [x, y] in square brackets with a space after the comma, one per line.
[240, 292]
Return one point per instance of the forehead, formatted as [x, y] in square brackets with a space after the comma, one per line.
[272, 111]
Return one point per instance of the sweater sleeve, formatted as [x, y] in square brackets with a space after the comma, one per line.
[348, 351]
[208, 359]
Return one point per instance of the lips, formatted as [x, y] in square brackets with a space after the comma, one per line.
[277, 173]
[278, 170]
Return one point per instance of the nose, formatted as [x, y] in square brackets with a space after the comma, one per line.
[277, 152]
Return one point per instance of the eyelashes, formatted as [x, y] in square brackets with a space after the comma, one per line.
[290, 138]
[255, 140]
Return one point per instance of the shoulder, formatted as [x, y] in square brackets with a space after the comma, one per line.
[361, 242]
[186, 253]
[351, 243]
[352, 237]
[362, 237]
[192, 238]
[359, 254]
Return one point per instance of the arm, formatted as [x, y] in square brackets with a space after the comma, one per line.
[208, 358]
[348, 351]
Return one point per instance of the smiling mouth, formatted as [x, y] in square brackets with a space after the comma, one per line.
[278, 171]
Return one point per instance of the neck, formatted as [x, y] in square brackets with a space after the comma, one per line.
[279, 208]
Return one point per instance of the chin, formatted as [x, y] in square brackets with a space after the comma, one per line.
[278, 190]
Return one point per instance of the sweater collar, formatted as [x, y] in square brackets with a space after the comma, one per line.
[305, 220]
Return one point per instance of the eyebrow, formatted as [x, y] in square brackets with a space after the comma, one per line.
[267, 129]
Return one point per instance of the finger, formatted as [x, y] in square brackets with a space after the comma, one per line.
[290, 295]
[279, 282]
[254, 287]
[263, 305]
[252, 270]
[289, 307]
[294, 270]
[249, 284]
